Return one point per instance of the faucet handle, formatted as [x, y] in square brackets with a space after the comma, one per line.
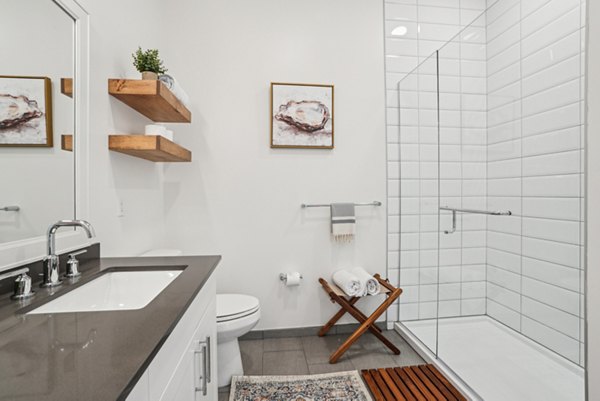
[22, 286]
[73, 264]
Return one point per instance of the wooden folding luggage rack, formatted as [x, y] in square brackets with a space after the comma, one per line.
[366, 323]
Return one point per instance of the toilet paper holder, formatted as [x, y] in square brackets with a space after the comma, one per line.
[283, 277]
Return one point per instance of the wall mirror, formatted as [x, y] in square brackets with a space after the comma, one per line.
[43, 120]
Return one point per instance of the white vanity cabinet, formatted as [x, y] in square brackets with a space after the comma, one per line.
[185, 368]
[195, 378]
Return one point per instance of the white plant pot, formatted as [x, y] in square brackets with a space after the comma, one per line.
[149, 75]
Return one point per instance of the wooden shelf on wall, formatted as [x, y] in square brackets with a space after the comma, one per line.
[149, 147]
[66, 86]
[66, 142]
[151, 98]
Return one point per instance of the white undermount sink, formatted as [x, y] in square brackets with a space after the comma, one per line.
[120, 290]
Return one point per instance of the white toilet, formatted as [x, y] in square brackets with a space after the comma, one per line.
[237, 314]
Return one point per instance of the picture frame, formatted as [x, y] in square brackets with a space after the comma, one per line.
[302, 115]
[25, 111]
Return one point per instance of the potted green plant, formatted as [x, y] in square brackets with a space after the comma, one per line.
[148, 63]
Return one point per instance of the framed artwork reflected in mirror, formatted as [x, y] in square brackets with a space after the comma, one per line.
[25, 111]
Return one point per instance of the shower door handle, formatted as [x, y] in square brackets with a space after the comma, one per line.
[453, 224]
[473, 211]
[476, 211]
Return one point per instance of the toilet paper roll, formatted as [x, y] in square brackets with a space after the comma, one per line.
[292, 279]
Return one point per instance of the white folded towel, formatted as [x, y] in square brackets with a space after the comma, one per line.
[177, 90]
[368, 282]
[348, 282]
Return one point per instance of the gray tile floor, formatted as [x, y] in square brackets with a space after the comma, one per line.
[310, 355]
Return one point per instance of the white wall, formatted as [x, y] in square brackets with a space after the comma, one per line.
[592, 201]
[535, 99]
[241, 199]
[238, 197]
[116, 30]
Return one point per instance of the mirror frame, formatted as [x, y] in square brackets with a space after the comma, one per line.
[28, 250]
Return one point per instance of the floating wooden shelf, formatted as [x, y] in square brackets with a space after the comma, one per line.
[66, 86]
[150, 147]
[66, 142]
[151, 98]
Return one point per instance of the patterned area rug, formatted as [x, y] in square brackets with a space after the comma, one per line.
[340, 386]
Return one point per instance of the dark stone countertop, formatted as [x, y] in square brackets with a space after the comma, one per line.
[92, 355]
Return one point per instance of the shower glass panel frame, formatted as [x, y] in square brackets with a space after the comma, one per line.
[419, 193]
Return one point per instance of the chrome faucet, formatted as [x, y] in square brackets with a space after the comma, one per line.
[51, 262]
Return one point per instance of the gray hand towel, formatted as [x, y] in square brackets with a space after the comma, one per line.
[343, 221]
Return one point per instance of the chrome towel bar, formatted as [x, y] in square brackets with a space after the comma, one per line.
[10, 208]
[374, 203]
[473, 211]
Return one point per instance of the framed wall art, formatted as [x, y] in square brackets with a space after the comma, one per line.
[301, 116]
[25, 111]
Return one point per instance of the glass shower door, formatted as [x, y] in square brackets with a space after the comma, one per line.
[462, 191]
[510, 240]
[462, 183]
[492, 221]
[419, 191]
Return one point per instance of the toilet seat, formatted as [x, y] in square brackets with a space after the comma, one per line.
[237, 314]
[235, 306]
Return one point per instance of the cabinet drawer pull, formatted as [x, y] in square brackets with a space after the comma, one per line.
[202, 376]
[208, 367]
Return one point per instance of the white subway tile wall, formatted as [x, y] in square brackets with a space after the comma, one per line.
[534, 164]
[510, 118]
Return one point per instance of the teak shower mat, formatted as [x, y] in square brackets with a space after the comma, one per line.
[411, 383]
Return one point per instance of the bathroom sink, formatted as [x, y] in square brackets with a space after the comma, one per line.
[120, 290]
